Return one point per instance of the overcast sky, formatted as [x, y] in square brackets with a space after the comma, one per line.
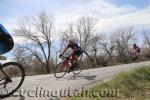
[111, 14]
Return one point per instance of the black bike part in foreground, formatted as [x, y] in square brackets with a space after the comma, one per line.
[8, 79]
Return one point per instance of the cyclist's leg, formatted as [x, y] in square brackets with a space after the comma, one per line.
[74, 62]
[75, 57]
[2, 48]
[6, 44]
[6, 41]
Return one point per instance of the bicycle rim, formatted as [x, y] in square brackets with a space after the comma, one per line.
[77, 70]
[16, 74]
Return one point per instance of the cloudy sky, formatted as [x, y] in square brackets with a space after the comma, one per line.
[111, 14]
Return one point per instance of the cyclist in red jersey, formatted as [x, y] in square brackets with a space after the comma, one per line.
[78, 51]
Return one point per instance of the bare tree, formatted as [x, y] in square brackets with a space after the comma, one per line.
[82, 31]
[21, 56]
[122, 39]
[55, 52]
[95, 46]
[108, 46]
[38, 31]
[146, 35]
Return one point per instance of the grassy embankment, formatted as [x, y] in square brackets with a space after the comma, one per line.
[133, 85]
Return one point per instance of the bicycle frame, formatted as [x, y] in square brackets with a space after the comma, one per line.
[71, 58]
[67, 61]
[66, 64]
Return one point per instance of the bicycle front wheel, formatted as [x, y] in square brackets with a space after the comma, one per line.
[60, 70]
[12, 75]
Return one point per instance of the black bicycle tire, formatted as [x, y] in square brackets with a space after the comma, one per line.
[79, 69]
[56, 69]
[80, 60]
[22, 77]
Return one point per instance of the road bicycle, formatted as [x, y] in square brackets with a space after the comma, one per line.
[12, 75]
[63, 67]
[132, 57]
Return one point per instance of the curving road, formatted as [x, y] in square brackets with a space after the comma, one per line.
[47, 87]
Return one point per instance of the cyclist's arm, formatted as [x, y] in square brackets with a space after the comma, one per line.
[65, 50]
[137, 49]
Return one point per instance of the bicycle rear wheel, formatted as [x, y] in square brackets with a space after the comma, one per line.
[12, 75]
[77, 70]
[60, 70]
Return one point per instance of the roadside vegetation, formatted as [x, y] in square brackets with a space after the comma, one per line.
[132, 85]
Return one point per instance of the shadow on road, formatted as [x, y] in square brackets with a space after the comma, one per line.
[92, 77]
[22, 98]
[82, 76]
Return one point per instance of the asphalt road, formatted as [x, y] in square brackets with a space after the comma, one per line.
[47, 87]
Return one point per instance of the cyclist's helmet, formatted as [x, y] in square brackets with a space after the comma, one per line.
[134, 44]
[72, 41]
